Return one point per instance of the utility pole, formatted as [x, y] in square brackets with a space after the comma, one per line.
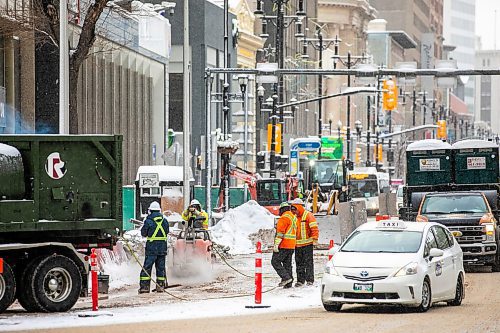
[187, 109]
[320, 44]
[281, 22]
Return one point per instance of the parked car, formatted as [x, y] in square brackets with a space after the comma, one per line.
[394, 262]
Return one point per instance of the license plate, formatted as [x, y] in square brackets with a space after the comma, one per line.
[368, 287]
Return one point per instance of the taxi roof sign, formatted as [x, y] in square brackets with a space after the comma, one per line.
[391, 224]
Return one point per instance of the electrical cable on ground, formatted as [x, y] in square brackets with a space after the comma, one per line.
[198, 299]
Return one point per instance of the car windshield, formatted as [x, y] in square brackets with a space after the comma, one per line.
[457, 204]
[328, 172]
[383, 241]
[364, 188]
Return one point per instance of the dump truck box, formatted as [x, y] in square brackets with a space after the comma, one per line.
[61, 188]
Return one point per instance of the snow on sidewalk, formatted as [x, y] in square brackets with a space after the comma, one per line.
[280, 300]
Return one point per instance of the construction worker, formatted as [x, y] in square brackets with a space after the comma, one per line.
[155, 228]
[284, 245]
[194, 210]
[307, 237]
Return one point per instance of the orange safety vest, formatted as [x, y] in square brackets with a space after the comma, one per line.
[286, 231]
[308, 230]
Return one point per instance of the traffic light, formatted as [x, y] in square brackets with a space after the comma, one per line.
[261, 160]
[277, 162]
[357, 157]
[390, 95]
[441, 130]
[380, 153]
[284, 163]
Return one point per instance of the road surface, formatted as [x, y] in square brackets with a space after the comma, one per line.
[478, 313]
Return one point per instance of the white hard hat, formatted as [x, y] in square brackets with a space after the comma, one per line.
[194, 202]
[154, 206]
[296, 201]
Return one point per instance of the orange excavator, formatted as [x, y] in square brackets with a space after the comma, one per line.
[268, 192]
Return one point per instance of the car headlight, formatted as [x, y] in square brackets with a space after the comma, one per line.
[329, 269]
[410, 269]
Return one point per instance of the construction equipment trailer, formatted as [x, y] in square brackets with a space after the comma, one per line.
[60, 197]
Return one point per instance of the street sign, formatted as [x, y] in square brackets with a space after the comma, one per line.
[309, 145]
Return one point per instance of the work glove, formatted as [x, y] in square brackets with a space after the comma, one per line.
[276, 248]
[196, 212]
[315, 242]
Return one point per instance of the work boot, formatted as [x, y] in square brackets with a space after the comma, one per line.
[285, 282]
[310, 283]
[288, 285]
[299, 284]
[160, 287]
[143, 290]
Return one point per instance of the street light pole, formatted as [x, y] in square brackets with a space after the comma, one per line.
[274, 116]
[348, 134]
[187, 109]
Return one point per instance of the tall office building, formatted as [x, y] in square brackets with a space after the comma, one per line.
[459, 31]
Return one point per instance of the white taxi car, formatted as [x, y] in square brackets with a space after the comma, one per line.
[393, 262]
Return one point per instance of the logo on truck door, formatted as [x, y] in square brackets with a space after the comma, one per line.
[54, 166]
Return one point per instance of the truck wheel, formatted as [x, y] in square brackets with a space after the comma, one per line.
[7, 287]
[57, 283]
[25, 293]
[496, 264]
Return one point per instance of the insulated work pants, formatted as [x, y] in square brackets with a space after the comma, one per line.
[305, 263]
[161, 276]
[282, 263]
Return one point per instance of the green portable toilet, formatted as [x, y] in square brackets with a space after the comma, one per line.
[429, 163]
[128, 194]
[476, 162]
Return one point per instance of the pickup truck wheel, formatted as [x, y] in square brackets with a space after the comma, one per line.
[57, 283]
[25, 293]
[7, 287]
[496, 264]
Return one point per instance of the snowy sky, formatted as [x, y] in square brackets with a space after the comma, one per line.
[485, 23]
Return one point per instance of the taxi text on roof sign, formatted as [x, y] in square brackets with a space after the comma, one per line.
[391, 224]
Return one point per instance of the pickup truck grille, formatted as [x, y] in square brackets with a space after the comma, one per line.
[470, 234]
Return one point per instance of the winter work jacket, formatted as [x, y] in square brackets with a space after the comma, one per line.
[186, 215]
[307, 229]
[155, 228]
[286, 230]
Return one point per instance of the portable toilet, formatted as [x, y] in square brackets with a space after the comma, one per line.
[429, 163]
[476, 162]
[161, 183]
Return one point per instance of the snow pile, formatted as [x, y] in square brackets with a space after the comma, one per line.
[120, 264]
[238, 224]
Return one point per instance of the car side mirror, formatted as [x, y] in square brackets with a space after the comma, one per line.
[435, 253]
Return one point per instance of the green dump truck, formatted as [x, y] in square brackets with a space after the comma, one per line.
[60, 196]
[457, 185]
